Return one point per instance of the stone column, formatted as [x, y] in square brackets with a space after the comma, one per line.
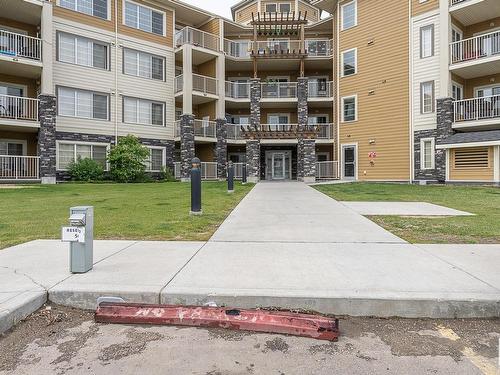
[47, 138]
[255, 96]
[187, 146]
[221, 148]
[306, 160]
[169, 155]
[253, 160]
[302, 109]
[445, 118]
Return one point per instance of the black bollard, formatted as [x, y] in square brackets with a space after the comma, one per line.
[244, 174]
[230, 177]
[196, 187]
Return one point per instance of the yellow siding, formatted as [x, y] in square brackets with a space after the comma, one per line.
[472, 174]
[419, 8]
[382, 87]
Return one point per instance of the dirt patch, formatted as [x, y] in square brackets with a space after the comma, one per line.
[136, 344]
[227, 334]
[276, 345]
[46, 326]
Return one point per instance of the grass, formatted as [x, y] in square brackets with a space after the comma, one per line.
[482, 201]
[155, 211]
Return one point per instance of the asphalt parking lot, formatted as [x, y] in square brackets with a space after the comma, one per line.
[57, 340]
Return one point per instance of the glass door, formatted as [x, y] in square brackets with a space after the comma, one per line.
[349, 162]
[278, 165]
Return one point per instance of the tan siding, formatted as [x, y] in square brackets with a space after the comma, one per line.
[30, 83]
[264, 112]
[312, 12]
[212, 26]
[85, 18]
[481, 27]
[263, 4]
[206, 69]
[419, 8]
[245, 14]
[30, 138]
[205, 152]
[30, 29]
[472, 174]
[382, 67]
[205, 109]
[472, 84]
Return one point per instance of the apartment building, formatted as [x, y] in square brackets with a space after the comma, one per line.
[399, 90]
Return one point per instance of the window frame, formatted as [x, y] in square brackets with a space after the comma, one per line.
[136, 27]
[355, 62]
[432, 156]
[108, 104]
[433, 98]
[151, 55]
[150, 160]
[75, 143]
[342, 7]
[432, 51]
[108, 9]
[151, 101]
[355, 97]
[107, 45]
[275, 4]
[280, 4]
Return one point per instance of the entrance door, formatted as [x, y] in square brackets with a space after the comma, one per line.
[278, 165]
[349, 162]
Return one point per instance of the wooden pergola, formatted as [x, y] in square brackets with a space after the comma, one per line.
[276, 25]
[293, 132]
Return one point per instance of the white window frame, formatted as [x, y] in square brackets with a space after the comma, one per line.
[432, 42]
[75, 143]
[108, 114]
[287, 115]
[21, 142]
[59, 33]
[150, 160]
[355, 62]
[422, 104]
[136, 27]
[355, 2]
[151, 55]
[458, 85]
[355, 108]
[17, 86]
[422, 153]
[108, 3]
[137, 111]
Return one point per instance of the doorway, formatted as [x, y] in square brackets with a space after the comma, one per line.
[349, 162]
[278, 165]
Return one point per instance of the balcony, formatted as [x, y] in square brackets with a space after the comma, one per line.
[20, 46]
[477, 56]
[327, 170]
[278, 49]
[470, 12]
[16, 110]
[202, 128]
[320, 90]
[18, 168]
[197, 38]
[319, 48]
[208, 170]
[239, 91]
[237, 50]
[479, 113]
[202, 86]
[323, 131]
[279, 90]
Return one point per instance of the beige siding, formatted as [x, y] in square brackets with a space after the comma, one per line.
[419, 8]
[212, 26]
[312, 12]
[245, 14]
[472, 174]
[383, 66]
[30, 138]
[264, 2]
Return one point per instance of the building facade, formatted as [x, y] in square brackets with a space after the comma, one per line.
[399, 90]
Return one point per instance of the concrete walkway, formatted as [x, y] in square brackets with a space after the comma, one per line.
[403, 209]
[285, 245]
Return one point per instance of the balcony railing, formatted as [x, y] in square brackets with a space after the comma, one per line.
[19, 167]
[475, 48]
[238, 170]
[455, 2]
[179, 83]
[319, 48]
[18, 108]
[198, 38]
[19, 45]
[239, 50]
[320, 89]
[202, 128]
[475, 109]
[279, 90]
[234, 131]
[327, 170]
[208, 170]
[277, 48]
[325, 131]
[205, 85]
[238, 90]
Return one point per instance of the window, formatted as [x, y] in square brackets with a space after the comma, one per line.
[82, 51]
[82, 104]
[69, 152]
[285, 8]
[349, 62]
[143, 18]
[142, 64]
[156, 160]
[97, 8]
[427, 97]
[426, 41]
[12, 147]
[349, 108]
[457, 91]
[145, 112]
[349, 15]
[271, 8]
[427, 153]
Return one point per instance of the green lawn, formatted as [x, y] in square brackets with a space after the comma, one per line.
[155, 211]
[482, 201]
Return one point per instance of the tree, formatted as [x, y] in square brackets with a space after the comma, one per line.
[127, 160]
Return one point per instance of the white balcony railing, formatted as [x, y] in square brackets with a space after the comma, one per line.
[234, 131]
[19, 45]
[208, 170]
[179, 83]
[239, 50]
[19, 167]
[18, 108]
[238, 90]
[327, 170]
[205, 85]
[320, 89]
[202, 128]
[325, 131]
[279, 47]
[455, 2]
[319, 48]
[198, 38]
[281, 90]
[475, 48]
[487, 107]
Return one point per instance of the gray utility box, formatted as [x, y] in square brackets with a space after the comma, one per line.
[81, 256]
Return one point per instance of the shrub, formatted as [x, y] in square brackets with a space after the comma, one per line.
[166, 174]
[86, 170]
[127, 160]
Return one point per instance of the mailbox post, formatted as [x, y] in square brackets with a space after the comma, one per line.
[80, 235]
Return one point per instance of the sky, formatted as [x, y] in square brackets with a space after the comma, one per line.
[220, 7]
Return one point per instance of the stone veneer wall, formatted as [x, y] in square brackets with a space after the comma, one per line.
[187, 145]
[47, 113]
[253, 160]
[221, 148]
[302, 108]
[306, 160]
[255, 96]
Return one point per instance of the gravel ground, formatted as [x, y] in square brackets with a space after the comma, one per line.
[58, 340]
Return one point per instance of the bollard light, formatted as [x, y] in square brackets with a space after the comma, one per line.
[244, 175]
[196, 187]
[230, 177]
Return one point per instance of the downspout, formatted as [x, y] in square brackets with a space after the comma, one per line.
[337, 98]
[410, 57]
[116, 72]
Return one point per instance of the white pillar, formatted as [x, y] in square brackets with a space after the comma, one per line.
[47, 86]
[496, 164]
[187, 79]
[220, 72]
[444, 50]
